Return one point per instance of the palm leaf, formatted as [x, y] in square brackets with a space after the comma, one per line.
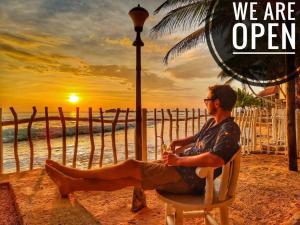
[185, 17]
[222, 75]
[186, 44]
[172, 4]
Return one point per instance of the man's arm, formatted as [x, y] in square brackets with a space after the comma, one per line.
[206, 159]
[182, 142]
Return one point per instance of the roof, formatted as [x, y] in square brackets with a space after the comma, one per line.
[269, 91]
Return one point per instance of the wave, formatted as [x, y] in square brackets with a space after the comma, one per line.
[56, 132]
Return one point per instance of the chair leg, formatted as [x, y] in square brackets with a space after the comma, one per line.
[224, 215]
[206, 221]
[169, 212]
[178, 217]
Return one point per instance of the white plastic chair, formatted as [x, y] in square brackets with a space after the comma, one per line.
[219, 193]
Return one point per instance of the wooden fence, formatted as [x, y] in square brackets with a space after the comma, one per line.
[262, 130]
[158, 116]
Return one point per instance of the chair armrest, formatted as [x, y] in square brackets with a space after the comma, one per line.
[208, 174]
[204, 172]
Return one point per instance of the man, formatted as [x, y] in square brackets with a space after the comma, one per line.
[214, 146]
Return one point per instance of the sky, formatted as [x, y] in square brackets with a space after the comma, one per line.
[51, 49]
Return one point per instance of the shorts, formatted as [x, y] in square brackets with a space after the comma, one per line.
[156, 175]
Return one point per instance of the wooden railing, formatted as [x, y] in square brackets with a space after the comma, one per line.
[262, 130]
[165, 115]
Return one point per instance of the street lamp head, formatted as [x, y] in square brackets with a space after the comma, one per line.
[138, 15]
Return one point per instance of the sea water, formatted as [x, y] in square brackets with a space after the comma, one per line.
[84, 146]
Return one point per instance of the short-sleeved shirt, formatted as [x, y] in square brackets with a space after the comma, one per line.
[220, 139]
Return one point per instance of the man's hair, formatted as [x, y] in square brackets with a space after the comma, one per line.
[225, 94]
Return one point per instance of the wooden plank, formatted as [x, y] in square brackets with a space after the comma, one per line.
[76, 138]
[297, 131]
[162, 130]
[177, 123]
[144, 135]
[16, 131]
[113, 136]
[48, 133]
[171, 125]
[1, 143]
[30, 138]
[249, 140]
[193, 121]
[126, 133]
[260, 130]
[102, 139]
[186, 122]
[91, 133]
[268, 132]
[199, 120]
[64, 140]
[155, 134]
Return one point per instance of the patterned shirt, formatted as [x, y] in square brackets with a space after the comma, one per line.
[220, 139]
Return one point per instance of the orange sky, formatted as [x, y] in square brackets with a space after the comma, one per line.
[51, 49]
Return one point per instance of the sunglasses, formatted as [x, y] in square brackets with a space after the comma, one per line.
[206, 100]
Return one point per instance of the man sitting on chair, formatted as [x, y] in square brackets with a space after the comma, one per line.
[214, 146]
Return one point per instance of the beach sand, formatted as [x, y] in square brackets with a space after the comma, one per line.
[267, 194]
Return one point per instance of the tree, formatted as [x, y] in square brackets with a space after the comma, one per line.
[182, 15]
[245, 99]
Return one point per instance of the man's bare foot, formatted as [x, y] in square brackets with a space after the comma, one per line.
[62, 181]
[52, 163]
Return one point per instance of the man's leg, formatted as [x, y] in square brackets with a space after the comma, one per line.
[129, 168]
[68, 184]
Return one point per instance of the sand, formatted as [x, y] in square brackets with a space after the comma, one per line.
[267, 194]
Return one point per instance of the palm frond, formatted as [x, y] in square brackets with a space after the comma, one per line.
[172, 4]
[222, 75]
[185, 17]
[186, 44]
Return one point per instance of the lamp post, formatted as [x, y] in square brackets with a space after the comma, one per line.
[138, 16]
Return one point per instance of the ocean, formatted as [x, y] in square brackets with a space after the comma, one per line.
[84, 146]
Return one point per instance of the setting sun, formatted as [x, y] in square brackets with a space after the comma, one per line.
[73, 98]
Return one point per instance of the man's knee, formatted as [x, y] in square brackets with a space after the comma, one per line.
[132, 163]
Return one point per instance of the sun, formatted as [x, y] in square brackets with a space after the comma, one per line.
[73, 98]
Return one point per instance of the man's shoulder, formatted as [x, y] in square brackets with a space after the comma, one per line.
[230, 124]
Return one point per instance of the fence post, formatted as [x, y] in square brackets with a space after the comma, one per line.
[171, 125]
[297, 131]
[64, 140]
[1, 144]
[144, 135]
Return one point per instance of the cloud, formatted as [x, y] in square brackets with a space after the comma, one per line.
[150, 46]
[24, 55]
[127, 76]
[87, 45]
[29, 40]
[194, 65]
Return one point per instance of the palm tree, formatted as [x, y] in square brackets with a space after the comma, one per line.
[182, 15]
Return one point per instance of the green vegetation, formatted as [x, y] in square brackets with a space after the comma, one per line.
[245, 99]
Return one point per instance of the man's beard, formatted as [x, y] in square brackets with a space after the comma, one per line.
[213, 111]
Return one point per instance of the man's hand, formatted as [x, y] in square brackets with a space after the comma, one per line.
[171, 159]
[173, 145]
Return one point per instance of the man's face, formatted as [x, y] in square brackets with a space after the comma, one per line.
[211, 104]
